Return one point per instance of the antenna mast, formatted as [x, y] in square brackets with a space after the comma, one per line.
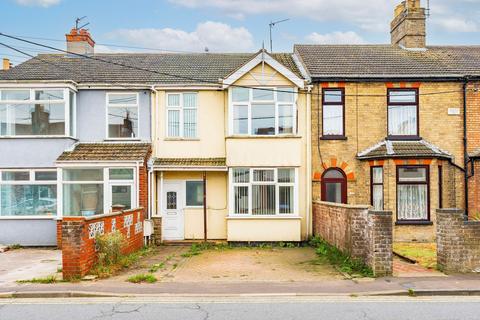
[77, 22]
[271, 25]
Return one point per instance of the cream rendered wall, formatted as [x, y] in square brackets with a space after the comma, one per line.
[241, 229]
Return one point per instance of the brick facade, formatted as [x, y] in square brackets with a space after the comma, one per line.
[473, 147]
[364, 234]
[78, 238]
[366, 125]
[458, 242]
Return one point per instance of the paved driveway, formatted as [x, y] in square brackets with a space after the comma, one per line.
[25, 264]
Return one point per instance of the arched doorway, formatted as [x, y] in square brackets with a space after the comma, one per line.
[334, 186]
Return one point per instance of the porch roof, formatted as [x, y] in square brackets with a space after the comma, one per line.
[219, 164]
[403, 149]
[106, 152]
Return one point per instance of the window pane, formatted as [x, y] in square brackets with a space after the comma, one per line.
[241, 200]
[262, 94]
[334, 192]
[194, 193]
[377, 197]
[173, 123]
[263, 175]
[28, 200]
[46, 175]
[83, 174]
[332, 96]
[241, 175]
[412, 174]
[122, 98]
[286, 175]
[263, 200]
[286, 199]
[240, 119]
[38, 119]
[403, 96]
[15, 175]
[82, 199]
[285, 119]
[173, 100]
[122, 195]
[402, 120]
[240, 94]
[412, 202]
[4, 123]
[171, 200]
[123, 122]
[48, 94]
[121, 174]
[189, 100]
[333, 120]
[263, 119]
[19, 95]
[190, 123]
[72, 112]
[333, 174]
[285, 94]
[377, 175]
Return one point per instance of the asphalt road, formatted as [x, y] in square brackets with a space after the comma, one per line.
[264, 308]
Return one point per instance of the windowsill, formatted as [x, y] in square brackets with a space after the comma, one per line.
[286, 136]
[37, 137]
[413, 223]
[333, 138]
[28, 217]
[266, 217]
[122, 139]
[181, 139]
[403, 138]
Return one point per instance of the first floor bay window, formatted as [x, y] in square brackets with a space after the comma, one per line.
[263, 192]
[402, 112]
[28, 193]
[412, 193]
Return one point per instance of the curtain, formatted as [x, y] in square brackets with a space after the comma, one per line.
[173, 123]
[378, 197]
[412, 202]
[333, 120]
[402, 120]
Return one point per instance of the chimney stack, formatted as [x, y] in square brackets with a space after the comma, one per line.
[80, 41]
[408, 27]
[6, 64]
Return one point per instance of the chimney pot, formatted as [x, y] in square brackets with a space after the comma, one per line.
[80, 41]
[6, 65]
[408, 27]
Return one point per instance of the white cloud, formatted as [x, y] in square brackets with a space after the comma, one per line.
[38, 3]
[336, 37]
[457, 25]
[216, 36]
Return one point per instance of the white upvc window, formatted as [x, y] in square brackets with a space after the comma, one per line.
[122, 115]
[263, 191]
[264, 111]
[39, 112]
[28, 193]
[182, 115]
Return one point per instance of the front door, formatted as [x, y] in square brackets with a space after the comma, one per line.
[172, 212]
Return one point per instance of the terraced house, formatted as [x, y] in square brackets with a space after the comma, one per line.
[388, 124]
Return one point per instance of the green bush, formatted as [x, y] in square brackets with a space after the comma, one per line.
[109, 248]
[139, 278]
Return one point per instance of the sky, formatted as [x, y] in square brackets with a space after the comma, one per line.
[225, 25]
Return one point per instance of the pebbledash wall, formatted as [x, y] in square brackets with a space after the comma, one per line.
[364, 234]
[78, 238]
[458, 242]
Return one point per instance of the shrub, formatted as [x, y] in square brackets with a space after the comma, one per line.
[109, 248]
[139, 278]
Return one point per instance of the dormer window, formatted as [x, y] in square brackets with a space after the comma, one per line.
[402, 113]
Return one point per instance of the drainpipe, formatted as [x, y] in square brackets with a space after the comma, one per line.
[465, 146]
[308, 160]
[205, 206]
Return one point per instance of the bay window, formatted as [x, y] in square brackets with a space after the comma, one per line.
[263, 192]
[402, 112]
[412, 193]
[333, 113]
[28, 193]
[263, 111]
[37, 112]
[122, 110]
[182, 115]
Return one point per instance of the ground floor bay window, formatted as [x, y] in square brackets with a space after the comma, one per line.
[412, 194]
[263, 191]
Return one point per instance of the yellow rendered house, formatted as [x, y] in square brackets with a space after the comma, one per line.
[231, 149]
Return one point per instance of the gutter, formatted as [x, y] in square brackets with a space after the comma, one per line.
[465, 146]
[393, 78]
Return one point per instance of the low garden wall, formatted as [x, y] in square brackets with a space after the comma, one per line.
[363, 234]
[78, 235]
[458, 242]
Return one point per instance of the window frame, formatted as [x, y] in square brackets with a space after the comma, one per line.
[440, 186]
[416, 104]
[69, 119]
[276, 104]
[250, 185]
[372, 184]
[427, 183]
[181, 109]
[343, 181]
[193, 207]
[108, 105]
[342, 104]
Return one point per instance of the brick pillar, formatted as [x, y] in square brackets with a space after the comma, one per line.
[59, 234]
[450, 238]
[72, 244]
[157, 230]
[380, 250]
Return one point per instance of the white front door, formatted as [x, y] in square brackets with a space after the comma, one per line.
[172, 211]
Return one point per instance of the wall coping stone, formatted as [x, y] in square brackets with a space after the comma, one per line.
[101, 216]
[341, 205]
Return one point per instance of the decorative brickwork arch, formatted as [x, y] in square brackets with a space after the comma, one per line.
[335, 163]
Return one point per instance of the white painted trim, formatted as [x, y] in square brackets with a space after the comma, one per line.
[263, 57]
[181, 108]
[38, 85]
[108, 105]
[160, 168]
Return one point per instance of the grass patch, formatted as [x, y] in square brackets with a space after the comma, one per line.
[45, 280]
[197, 248]
[140, 278]
[339, 259]
[424, 253]
[157, 266]
[15, 247]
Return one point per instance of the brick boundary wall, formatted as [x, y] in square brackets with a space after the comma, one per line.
[458, 242]
[78, 238]
[362, 233]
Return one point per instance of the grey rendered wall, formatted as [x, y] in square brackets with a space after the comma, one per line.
[28, 232]
[92, 113]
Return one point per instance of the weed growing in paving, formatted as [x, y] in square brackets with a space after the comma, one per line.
[197, 248]
[46, 280]
[340, 259]
[139, 278]
[157, 266]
